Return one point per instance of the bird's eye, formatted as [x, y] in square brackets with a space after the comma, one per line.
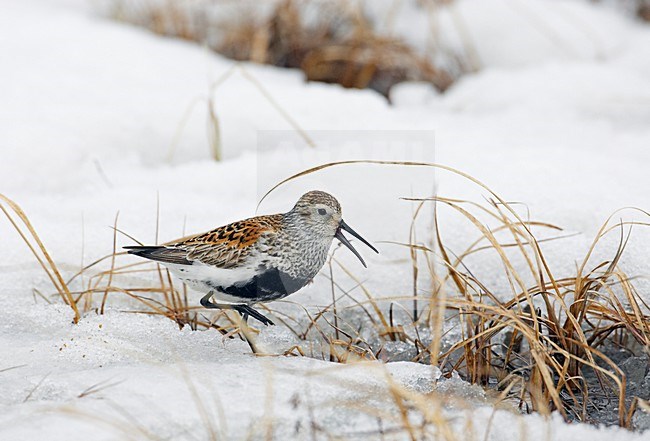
[322, 211]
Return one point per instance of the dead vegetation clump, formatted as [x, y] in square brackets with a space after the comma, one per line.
[640, 8]
[643, 10]
[544, 345]
[332, 42]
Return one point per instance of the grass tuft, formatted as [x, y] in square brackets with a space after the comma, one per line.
[28, 234]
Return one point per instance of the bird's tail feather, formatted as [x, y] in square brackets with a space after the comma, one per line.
[160, 254]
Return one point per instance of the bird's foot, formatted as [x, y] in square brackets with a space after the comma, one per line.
[246, 310]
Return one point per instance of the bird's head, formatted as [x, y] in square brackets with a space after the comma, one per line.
[320, 214]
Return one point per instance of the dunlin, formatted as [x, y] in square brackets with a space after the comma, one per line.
[260, 259]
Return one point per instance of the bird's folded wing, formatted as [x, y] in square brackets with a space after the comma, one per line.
[227, 246]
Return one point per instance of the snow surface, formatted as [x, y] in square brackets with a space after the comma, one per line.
[91, 109]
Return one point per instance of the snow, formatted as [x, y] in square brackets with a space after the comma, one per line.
[89, 113]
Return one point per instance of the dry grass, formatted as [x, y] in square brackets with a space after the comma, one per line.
[541, 343]
[23, 227]
[643, 10]
[330, 41]
[541, 346]
[213, 126]
[335, 41]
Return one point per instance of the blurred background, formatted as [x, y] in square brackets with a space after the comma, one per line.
[378, 44]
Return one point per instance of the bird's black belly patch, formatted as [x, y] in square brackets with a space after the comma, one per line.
[270, 285]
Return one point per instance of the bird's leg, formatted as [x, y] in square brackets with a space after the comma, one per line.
[246, 310]
[206, 303]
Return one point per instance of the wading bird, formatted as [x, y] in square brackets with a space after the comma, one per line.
[260, 259]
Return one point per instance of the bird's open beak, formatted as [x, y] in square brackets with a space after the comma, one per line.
[339, 235]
